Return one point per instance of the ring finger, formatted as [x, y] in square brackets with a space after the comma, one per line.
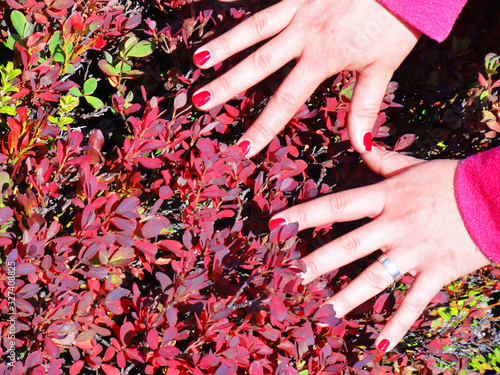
[372, 281]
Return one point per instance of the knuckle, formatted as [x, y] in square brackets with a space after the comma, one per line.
[226, 84]
[287, 100]
[350, 245]
[367, 113]
[263, 60]
[338, 203]
[262, 129]
[260, 25]
[223, 43]
[416, 304]
[302, 215]
[341, 305]
[375, 279]
[411, 217]
[312, 268]
[400, 325]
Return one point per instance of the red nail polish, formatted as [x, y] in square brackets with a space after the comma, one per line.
[202, 57]
[367, 141]
[201, 98]
[274, 223]
[245, 145]
[383, 345]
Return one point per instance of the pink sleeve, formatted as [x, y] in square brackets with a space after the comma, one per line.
[434, 18]
[477, 188]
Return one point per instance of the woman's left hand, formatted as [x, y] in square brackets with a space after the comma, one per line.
[416, 223]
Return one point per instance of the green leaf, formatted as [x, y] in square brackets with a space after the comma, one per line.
[70, 68]
[59, 55]
[89, 86]
[141, 49]
[8, 110]
[54, 41]
[19, 21]
[108, 57]
[11, 41]
[13, 74]
[28, 30]
[94, 102]
[74, 91]
[107, 68]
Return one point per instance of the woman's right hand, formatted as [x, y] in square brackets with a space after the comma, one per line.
[416, 223]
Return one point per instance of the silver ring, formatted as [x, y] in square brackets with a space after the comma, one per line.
[390, 267]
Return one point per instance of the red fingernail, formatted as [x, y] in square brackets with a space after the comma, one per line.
[201, 98]
[383, 345]
[367, 141]
[274, 223]
[246, 146]
[202, 57]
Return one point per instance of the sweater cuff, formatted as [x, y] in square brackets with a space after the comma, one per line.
[434, 18]
[477, 188]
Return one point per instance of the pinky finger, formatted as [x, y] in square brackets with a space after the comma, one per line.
[415, 302]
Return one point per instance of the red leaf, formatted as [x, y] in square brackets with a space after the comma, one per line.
[256, 369]
[33, 359]
[110, 370]
[76, 367]
[152, 339]
[5, 214]
[278, 308]
[169, 351]
[96, 140]
[128, 207]
[208, 361]
[405, 141]
[154, 226]
[149, 163]
[482, 81]
[180, 99]
[25, 269]
[126, 333]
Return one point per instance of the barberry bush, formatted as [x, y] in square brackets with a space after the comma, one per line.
[133, 231]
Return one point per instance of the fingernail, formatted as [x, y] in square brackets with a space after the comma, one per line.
[246, 146]
[274, 223]
[201, 98]
[367, 141]
[383, 345]
[202, 57]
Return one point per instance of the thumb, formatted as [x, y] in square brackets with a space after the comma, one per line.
[369, 92]
[389, 163]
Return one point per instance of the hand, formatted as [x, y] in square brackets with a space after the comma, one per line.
[416, 223]
[324, 37]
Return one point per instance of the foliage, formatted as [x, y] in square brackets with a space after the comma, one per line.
[138, 230]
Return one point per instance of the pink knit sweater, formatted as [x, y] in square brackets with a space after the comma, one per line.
[477, 187]
[477, 181]
[434, 18]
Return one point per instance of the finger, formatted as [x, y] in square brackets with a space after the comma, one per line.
[368, 284]
[419, 296]
[344, 250]
[369, 91]
[260, 64]
[389, 163]
[260, 26]
[293, 92]
[348, 205]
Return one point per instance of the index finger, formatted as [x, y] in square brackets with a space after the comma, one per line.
[260, 26]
